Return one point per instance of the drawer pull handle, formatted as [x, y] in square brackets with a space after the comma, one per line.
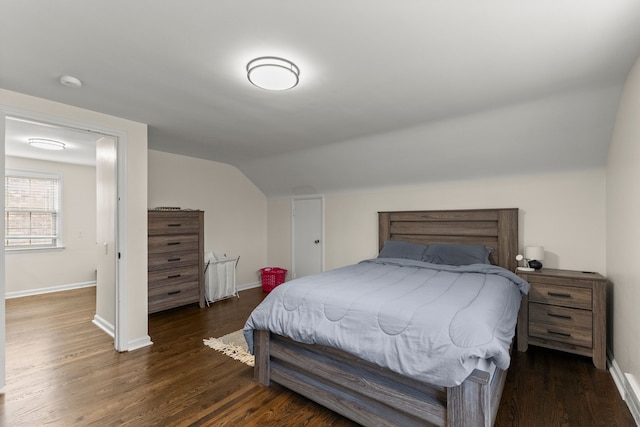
[173, 293]
[558, 294]
[173, 243]
[173, 259]
[558, 333]
[174, 225]
[560, 316]
[175, 276]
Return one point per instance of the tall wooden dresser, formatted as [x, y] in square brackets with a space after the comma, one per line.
[176, 259]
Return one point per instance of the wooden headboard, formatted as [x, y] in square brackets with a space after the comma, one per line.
[496, 228]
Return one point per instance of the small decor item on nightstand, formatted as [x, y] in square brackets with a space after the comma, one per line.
[535, 254]
[526, 267]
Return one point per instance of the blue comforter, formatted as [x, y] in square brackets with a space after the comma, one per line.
[434, 323]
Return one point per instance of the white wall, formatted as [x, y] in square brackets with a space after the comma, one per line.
[133, 137]
[235, 210]
[623, 229]
[76, 263]
[564, 212]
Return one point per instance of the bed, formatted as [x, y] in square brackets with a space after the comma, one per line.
[371, 394]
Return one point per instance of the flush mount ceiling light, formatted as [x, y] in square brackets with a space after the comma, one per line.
[273, 73]
[47, 144]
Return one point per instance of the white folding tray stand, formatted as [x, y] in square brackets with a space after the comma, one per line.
[220, 279]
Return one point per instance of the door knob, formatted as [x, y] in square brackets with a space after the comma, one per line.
[316, 241]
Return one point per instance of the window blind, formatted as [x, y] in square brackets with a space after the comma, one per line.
[31, 211]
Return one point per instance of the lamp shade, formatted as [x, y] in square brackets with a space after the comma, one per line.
[534, 252]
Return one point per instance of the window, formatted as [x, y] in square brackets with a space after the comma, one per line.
[32, 210]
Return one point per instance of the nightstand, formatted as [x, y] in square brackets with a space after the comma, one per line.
[565, 310]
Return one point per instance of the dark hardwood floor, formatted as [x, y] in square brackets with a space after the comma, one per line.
[62, 371]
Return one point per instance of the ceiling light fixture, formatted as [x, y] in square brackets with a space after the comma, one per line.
[273, 73]
[47, 144]
[70, 81]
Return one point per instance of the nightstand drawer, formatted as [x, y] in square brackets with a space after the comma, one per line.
[569, 335]
[561, 316]
[566, 296]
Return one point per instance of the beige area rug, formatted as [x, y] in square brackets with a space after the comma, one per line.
[232, 345]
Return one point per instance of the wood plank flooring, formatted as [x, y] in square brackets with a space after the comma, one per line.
[62, 371]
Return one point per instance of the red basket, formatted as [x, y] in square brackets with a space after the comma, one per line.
[272, 277]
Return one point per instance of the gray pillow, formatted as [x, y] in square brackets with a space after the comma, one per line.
[456, 254]
[400, 249]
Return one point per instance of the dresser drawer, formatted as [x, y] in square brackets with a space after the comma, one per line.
[564, 334]
[164, 297]
[174, 291]
[182, 223]
[566, 296]
[163, 261]
[172, 276]
[560, 316]
[173, 243]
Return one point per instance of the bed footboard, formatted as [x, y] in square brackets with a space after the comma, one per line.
[369, 394]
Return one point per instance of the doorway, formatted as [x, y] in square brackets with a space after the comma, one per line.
[107, 311]
[307, 235]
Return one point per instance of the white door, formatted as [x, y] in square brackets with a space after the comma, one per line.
[307, 233]
[106, 233]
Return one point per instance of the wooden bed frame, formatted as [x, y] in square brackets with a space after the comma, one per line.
[370, 394]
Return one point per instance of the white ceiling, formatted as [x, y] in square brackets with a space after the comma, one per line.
[391, 92]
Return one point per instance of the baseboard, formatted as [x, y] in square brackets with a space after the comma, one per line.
[140, 342]
[627, 387]
[247, 286]
[30, 292]
[104, 325]
[110, 329]
[632, 393]
[617, 375]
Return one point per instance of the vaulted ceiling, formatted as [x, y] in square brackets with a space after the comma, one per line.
[391, 92]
